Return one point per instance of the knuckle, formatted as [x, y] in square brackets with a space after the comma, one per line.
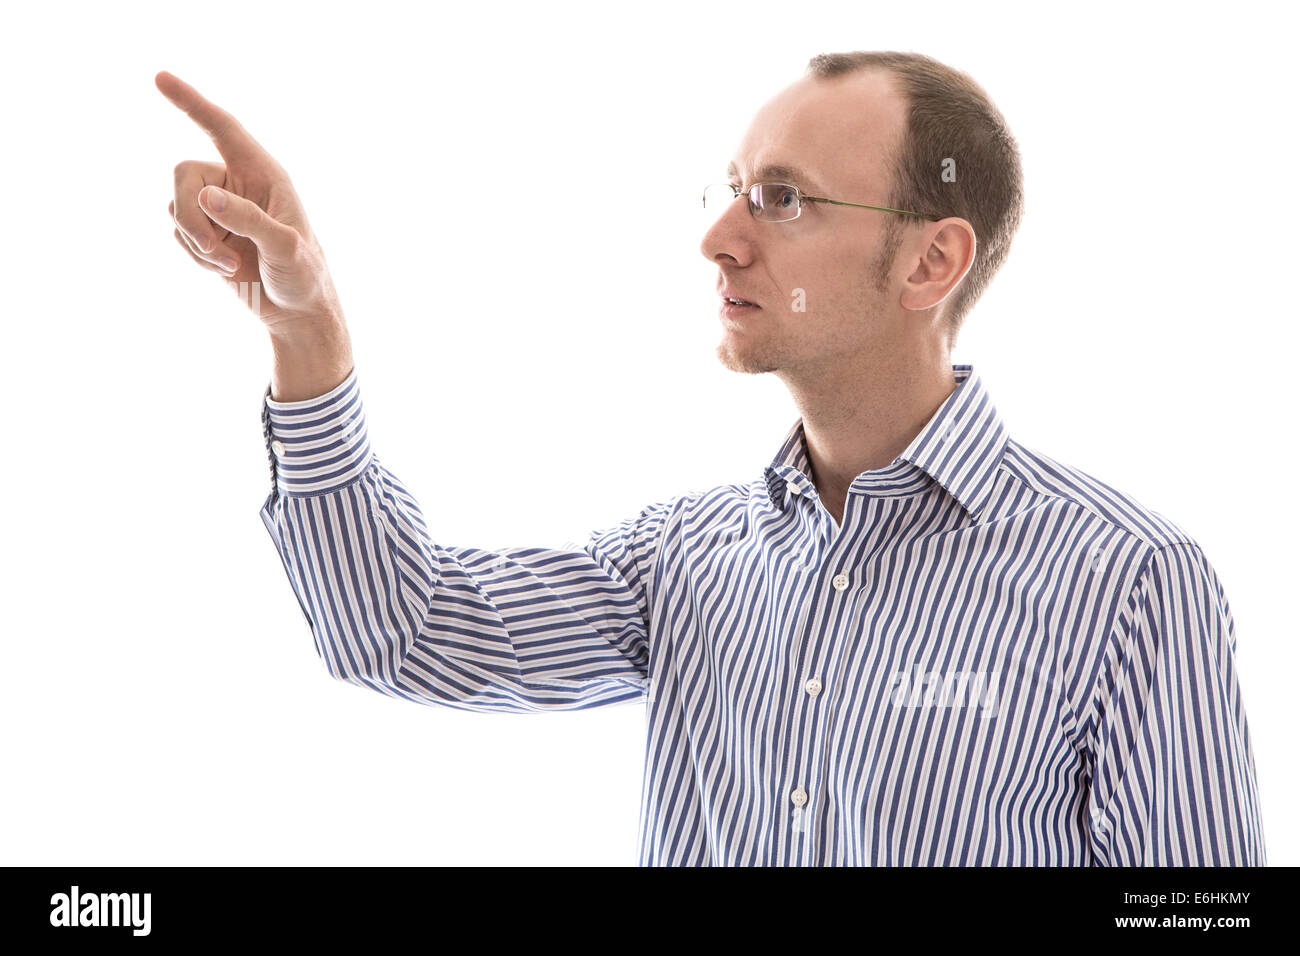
[195, 236]
[195, 253]
[188, 243]
[280, 192]
[229, 128]
[294, 246]
[221, 126]
[186, 246]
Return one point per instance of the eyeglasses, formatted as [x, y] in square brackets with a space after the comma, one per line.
[780, 202]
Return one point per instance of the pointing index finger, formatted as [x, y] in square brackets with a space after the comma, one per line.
[231, 139]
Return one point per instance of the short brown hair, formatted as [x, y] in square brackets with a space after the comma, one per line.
[949, 116]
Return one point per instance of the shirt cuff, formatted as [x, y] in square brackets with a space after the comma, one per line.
[319, 445]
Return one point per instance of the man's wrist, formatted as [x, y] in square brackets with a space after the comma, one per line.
[311, 357]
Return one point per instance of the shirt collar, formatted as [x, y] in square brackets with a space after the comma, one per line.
[960, 448]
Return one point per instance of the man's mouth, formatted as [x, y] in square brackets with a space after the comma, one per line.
[734, 305]
[734, 309]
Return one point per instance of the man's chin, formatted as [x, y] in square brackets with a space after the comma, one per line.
[737, 360]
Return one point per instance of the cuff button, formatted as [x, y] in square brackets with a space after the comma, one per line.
[277, 446]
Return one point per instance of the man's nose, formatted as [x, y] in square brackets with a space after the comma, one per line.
[730, 235]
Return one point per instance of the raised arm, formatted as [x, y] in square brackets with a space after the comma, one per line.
[523, 629]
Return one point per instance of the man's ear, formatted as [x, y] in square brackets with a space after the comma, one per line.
[947, 253]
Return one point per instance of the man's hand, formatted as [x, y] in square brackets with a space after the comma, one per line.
[247, 212]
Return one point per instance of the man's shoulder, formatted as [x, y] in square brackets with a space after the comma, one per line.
[1044, 478]
[708, 510]
[716, 501]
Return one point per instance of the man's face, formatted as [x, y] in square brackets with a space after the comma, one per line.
[838, 135]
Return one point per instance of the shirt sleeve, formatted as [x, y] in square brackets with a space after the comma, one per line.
[1173, 780]
[515, 629]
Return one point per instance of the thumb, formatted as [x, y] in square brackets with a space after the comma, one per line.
[243, 217]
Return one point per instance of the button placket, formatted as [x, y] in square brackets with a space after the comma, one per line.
[854, 575]
[818, 651]
[801, 815]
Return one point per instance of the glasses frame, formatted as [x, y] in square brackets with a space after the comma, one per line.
[802, 197]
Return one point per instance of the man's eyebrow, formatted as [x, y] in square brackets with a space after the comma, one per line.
[776, 171]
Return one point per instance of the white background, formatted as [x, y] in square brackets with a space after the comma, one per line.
[532, 375]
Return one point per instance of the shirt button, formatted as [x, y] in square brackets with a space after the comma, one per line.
[841, 581]
[799, 797]
[277, 446]
[813, 686]
[791, 487]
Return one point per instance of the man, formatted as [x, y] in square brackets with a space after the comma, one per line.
[912, 640]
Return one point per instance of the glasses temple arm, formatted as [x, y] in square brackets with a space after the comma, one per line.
[858, 205]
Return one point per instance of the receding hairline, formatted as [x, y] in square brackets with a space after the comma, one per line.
[808, 181]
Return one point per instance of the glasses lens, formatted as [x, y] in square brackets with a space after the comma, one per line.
[774, 202]
[718, 196]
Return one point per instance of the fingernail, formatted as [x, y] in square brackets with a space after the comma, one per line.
[226, 263]
[216, 198]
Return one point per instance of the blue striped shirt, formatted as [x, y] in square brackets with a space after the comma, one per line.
[995, 659]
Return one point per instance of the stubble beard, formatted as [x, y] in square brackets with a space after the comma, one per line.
[771, 357]
[748, 363]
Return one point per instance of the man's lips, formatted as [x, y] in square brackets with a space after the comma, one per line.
[734, 308]
[732, 298]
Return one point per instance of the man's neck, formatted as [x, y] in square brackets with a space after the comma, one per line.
[858, 419]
